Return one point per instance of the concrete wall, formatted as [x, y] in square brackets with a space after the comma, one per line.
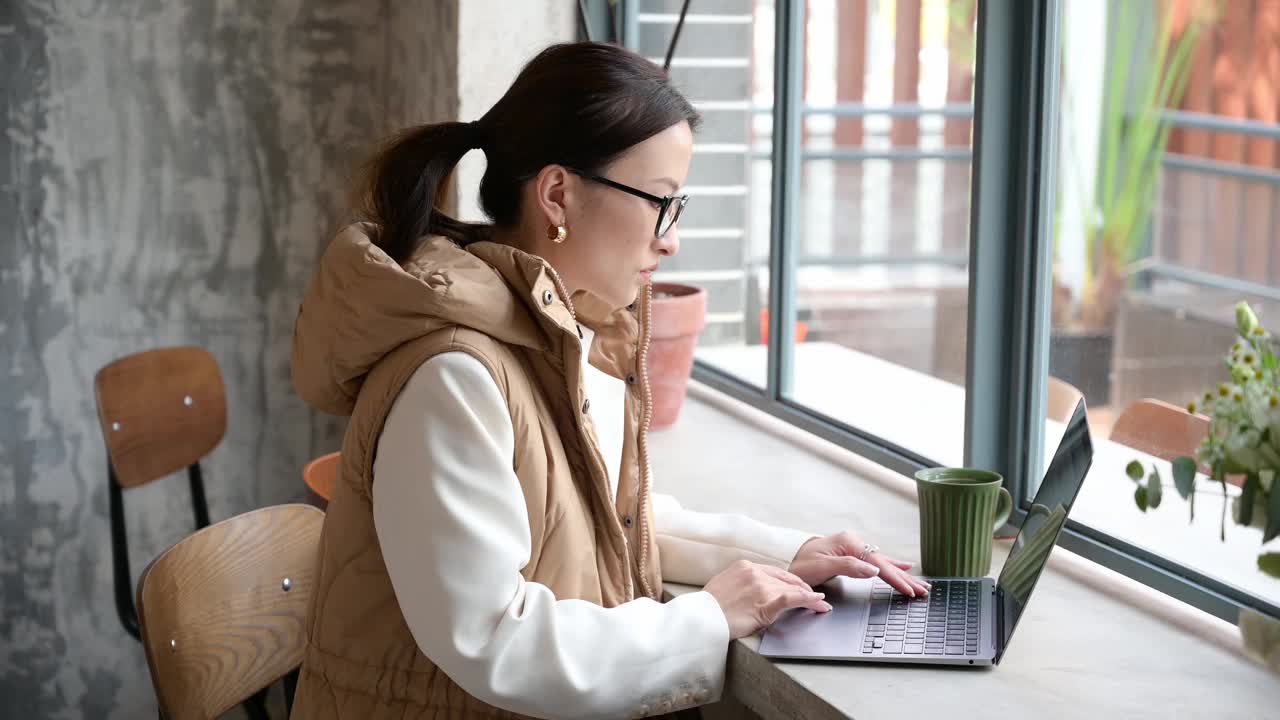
[168, 174]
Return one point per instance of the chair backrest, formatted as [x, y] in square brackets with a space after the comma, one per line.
[1160, 429]
[1063, 398]
[321, 473]
[223, 611]
[161, 411]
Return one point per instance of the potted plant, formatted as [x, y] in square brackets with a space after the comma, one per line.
[1243, 440]
[1149, 76]
[679, 314]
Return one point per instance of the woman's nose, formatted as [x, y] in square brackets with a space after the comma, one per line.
[669, 244]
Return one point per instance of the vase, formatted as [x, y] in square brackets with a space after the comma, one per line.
[1261, 636]
[679, 314]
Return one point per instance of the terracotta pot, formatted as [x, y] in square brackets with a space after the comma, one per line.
[679, 314]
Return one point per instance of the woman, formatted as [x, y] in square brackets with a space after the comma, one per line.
[505, 562]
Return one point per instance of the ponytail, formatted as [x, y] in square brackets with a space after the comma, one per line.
[408, 182]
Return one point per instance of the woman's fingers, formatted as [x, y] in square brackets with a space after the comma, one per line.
[786, 577]
[793, 598]
[853, 567]
[905, 584]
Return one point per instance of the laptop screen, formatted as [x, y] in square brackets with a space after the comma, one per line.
[1042, 524]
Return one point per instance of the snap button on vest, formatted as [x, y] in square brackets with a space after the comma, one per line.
[627, 521]
[547, 297]
[586, 405]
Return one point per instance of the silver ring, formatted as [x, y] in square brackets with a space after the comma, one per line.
[867, 550]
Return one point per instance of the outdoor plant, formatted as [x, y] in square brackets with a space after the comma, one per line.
[1243, 439]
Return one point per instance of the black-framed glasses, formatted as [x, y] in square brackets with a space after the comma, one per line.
[670, 207]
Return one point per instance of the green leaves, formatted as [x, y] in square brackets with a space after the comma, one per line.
[1184, 476]
[1154, 492]
[1273, 515]
[1134, 470]
[1148, 494]
[1269, 563]
[1133, 135]
[1247, 495]
[1269, 359]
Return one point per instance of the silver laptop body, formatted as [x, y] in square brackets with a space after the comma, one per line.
[963, 621]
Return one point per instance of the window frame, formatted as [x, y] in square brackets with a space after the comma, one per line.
[1013, 174]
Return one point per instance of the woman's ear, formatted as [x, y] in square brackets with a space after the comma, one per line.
[552, 192]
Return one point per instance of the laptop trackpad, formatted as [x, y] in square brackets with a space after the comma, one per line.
[803, 633]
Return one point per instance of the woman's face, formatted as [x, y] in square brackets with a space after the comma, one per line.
[611, 245]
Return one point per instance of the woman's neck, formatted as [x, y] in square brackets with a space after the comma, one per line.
[528, 240]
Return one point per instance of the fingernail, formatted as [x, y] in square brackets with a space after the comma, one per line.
[875, 570]
[912, 591]
[818, 596]
[826, 607]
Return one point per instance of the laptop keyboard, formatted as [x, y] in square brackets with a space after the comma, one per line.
[945, 622]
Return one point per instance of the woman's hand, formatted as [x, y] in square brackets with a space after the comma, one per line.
[753, 596]
[823, 558]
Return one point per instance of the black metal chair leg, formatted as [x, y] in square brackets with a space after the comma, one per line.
[123, 581]
[256, 705]
[290, 688]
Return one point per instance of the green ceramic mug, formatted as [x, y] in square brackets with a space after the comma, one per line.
[960, 509]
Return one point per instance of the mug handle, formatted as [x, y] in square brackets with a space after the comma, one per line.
[1004, 506]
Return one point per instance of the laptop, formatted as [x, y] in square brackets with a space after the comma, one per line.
[962, 621]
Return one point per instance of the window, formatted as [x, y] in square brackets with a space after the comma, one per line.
[724, 65]
[880, 243]
[1168, 195]
[878, 233]
[1116, 218]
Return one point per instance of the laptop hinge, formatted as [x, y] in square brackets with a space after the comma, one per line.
[999, 638]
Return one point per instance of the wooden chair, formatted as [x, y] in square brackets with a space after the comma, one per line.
[160, 411]
[1063, 398]
[1160, 429]
[320, 474]
[223, 611]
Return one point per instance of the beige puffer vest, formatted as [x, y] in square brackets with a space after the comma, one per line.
[365, 326]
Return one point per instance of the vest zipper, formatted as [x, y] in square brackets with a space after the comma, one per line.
[626, 545]
[646, 415]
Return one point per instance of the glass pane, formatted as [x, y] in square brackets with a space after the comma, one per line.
[724, 65]
[1161, 229]
[881, 288]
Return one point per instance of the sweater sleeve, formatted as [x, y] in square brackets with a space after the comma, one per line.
[454, 531]
[696, 546]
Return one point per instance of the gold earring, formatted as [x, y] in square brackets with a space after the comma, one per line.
[557, 233]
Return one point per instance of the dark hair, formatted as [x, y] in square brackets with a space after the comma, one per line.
[580, 105]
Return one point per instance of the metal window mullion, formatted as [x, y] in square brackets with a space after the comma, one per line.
[1010, 240]
[630, 24]
[788, 89]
